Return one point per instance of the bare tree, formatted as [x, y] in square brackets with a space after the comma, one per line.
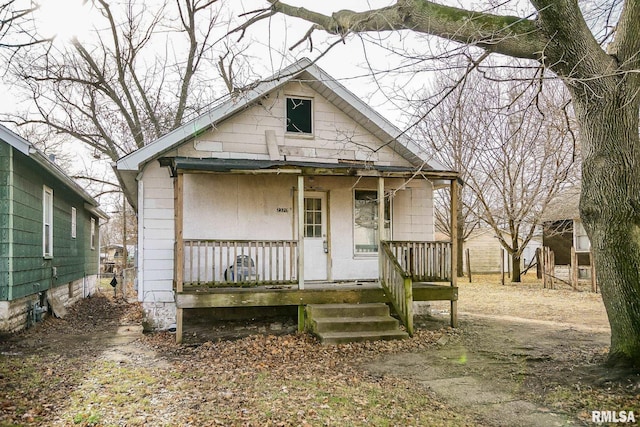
[449, 132]
[15, 29]
[599, 63]
[134, 80]
[514, 151]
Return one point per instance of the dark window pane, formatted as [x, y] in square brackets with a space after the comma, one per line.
[299, 115]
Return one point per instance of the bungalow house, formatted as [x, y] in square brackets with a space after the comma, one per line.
[294, 192]
[49, 251]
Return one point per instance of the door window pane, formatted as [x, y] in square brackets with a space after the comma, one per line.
[313, 217]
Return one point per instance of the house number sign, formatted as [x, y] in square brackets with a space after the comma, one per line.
[282, 210]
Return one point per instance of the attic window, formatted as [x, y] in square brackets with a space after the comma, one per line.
[299, 116]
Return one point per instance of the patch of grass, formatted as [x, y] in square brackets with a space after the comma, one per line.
[109, 385]
[84, 419]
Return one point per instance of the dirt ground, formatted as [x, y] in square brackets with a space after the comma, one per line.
[523, 355]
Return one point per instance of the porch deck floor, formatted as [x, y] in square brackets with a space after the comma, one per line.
[313, 293]
[309, 285]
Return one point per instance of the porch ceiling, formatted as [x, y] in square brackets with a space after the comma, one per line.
[242, 166]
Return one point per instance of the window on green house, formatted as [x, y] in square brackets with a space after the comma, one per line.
[299, 116]
[47, 222]
[93, 233]
[74, 222]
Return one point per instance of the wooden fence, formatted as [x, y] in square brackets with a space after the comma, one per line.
[547, 269]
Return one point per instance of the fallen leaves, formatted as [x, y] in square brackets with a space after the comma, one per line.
[67, 372]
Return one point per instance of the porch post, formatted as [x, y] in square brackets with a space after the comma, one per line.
[380, 223]
[454, 248]
[179, 250]
[300, 232]
[300, 248]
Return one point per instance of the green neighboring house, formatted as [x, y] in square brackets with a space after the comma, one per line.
[49, 235]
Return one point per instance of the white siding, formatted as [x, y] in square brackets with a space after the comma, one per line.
[413, 210]
[336, 136]
[238, 207]
[157, 236]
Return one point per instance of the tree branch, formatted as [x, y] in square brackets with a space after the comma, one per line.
[509, 35]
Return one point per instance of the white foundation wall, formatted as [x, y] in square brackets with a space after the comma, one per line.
[13, 314]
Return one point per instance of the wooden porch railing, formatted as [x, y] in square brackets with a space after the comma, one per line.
[424, 261]
[240, 262]
[397, 283]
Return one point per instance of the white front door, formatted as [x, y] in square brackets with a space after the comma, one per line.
[315, 236]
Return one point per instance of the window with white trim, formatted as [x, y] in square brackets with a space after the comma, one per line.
[74, 223]
[47, 222]
[299, 116]
[93, 233]
[580, 239]
[365, 225]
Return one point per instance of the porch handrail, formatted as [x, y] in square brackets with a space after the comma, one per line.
[425, 261]
[398, 284]
[217, 262]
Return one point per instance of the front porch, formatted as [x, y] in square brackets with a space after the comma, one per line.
[364, 266]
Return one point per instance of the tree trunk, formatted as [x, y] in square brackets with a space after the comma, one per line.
[516, 271]
[515, 258]
[610, 207]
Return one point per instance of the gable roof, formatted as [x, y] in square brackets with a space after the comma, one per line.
[128, 166]
[566, 205]
[29, 150]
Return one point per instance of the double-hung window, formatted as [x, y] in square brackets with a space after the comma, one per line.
[365, 226]
[74, 223]
[93, 233]
[47, 222]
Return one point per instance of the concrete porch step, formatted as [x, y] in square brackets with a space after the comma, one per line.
[343, 323]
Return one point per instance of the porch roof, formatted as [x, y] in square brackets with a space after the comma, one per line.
[248, 166]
